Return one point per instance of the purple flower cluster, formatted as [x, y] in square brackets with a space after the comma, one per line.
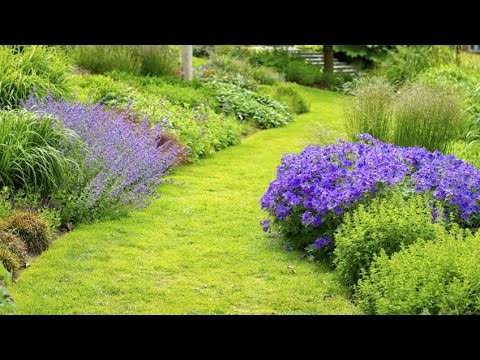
[321, 242]
[330, 179]
[265, 224]
[123, 163]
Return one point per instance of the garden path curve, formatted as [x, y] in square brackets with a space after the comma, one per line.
[198, 249]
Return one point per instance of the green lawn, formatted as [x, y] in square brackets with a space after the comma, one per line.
[198, 249]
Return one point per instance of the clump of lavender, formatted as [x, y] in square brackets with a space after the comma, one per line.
[318, 185]
[122, 164]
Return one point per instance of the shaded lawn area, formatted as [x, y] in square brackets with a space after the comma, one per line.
[198, 249]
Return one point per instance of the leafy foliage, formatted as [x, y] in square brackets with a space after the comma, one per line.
[387, 224]
[201, 130]
[473, 134]
[248, 105]
[439, 277]
[462, 80]
[301, 72]
[224, 68]
[362, 55]
[102, 88]
[405, 62]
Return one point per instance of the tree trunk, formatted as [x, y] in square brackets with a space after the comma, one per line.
[328, 58]
[187, 68]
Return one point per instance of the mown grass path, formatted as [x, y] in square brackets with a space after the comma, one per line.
[198, 249]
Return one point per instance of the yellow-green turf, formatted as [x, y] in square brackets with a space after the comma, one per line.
[198, 249]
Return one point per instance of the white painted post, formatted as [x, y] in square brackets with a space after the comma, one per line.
[187, 66]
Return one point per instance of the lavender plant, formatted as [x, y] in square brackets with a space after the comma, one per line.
[314, 189]
[121, 164]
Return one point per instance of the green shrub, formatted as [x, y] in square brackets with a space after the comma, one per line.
[201, 130]
[14, 244]
[9, 260]
[177, 91]
[184, 96]
[31, 154]
[386, 224]
[278, 59]
[31, 68]
[247, 105]
[301, 72]
[369, 111]
[227, 69]
[264, 75]
[473, 134]
[462, 80]
[440, 277]
[31, 228]
[101, 88]
[427, 116]
[288, 94]
[335, 81]
[362, 55]
[236, 71]
[405, 62]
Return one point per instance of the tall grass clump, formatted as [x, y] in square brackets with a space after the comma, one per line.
[103, 58]
[158, 60]
[369, 111]
[31, 152]
[429, 116]
[24, 69]
[137, 60]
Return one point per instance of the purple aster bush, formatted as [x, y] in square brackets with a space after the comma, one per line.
[313, 189]
[122, 163]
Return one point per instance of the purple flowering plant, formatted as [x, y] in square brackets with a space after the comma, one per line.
[313, 189]
[121, 162]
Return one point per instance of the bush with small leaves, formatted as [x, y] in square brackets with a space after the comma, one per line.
[31, 228]
[387, 223]
[438, 277]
